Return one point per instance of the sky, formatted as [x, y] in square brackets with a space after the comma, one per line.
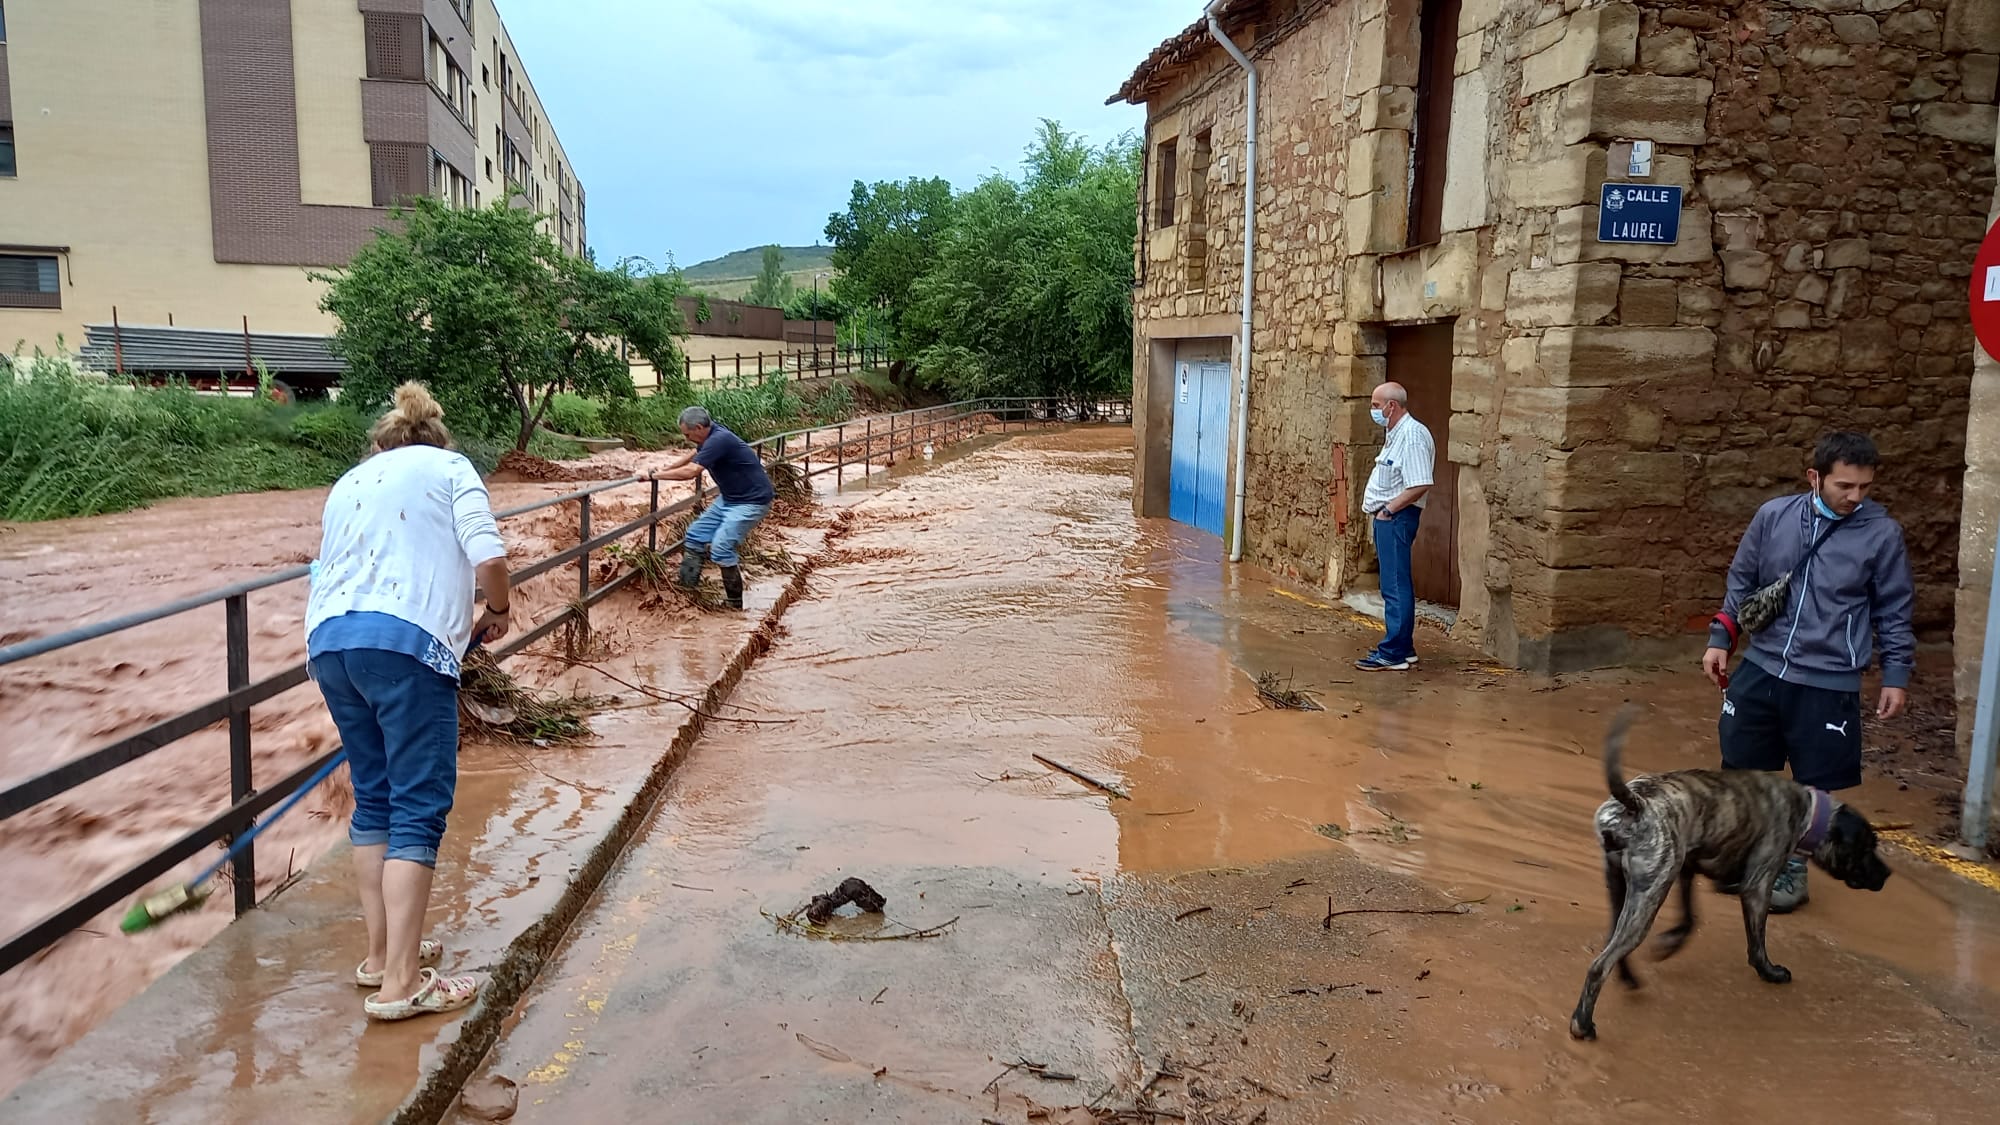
[699, 127]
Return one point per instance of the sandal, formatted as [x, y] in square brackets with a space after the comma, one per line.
[434, 994]
[429, 952]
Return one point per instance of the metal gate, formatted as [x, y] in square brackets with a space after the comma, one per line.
[1200, 472]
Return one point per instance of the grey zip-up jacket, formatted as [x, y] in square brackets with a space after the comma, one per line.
[1854, 595]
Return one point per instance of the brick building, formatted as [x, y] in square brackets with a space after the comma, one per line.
[186, 161]
[1431, 181]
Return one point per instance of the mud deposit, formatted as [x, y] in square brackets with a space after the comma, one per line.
[1380, 911]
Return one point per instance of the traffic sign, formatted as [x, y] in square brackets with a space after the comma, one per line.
[1986, 293]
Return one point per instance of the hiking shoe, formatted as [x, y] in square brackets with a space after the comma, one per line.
[1789, 893]
[1376, 662]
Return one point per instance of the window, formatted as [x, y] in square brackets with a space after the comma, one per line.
[1194, 240]
[6, 149]
[395, 46]
[486, 76]
[3, 21]
[1163, 184]
[1431, 147]
[489, 167]
[29, 282]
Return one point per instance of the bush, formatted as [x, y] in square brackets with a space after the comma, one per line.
[334, 431]
[575, 415]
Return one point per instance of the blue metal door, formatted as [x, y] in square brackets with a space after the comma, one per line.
[1200, 470]
[1187, 430]
[1212, 460]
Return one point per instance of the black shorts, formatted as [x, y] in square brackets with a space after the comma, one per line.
[1768, 723]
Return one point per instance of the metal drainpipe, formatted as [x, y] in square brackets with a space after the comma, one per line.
[1249, 266]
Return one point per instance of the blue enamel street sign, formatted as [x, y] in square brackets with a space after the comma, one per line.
[1648, 213]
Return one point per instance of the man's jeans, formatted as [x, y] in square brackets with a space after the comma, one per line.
[1393, 537]
[723, 527]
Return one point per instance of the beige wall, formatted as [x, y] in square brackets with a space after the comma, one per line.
[548, 148]
[110, 132]
[328, 53]
[110, 129]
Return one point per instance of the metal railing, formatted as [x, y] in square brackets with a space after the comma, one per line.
[904, 432]
[811, 362]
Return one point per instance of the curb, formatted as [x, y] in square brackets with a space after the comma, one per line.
[516, 970]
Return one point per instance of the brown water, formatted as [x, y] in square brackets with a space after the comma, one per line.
[1007, 605]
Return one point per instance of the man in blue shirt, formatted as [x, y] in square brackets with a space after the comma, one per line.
[745, 499]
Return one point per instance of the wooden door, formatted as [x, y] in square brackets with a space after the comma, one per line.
[1420, 359]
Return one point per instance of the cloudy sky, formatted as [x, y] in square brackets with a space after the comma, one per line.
[704, 126]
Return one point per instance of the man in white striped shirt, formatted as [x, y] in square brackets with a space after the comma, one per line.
[1395, 501]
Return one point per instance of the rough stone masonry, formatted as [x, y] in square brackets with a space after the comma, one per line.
[1617, 410]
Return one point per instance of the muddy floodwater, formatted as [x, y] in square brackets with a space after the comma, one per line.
[1376, 911]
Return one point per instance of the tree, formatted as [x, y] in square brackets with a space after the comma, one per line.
[1030, 288]
[482, 305]
[884, 241]
[773, 286]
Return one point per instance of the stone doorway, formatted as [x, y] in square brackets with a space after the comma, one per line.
[1420, 359]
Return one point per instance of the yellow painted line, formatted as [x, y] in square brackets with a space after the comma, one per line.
[1348, 612]
[1983, 874]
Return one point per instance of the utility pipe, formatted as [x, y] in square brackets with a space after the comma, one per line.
[1249, 266]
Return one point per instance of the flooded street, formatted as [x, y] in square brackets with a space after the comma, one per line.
[1380, 911]
[1377, 911]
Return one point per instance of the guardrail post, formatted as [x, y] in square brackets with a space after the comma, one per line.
[583, 569]
[243, 869]
[1978, 811]
[840, 459]
[808, 456]
[868, 446]
[653, 529]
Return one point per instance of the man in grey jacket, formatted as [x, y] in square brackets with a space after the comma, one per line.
[1796, 698]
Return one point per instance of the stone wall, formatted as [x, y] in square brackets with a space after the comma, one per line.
[1618, 411]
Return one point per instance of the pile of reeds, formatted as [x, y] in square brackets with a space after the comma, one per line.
[494, 703]
[1280, 694]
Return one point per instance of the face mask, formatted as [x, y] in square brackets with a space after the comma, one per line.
[1381, 419]
[1820, 503]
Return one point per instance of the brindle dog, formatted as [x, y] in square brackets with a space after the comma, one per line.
[1738, 827]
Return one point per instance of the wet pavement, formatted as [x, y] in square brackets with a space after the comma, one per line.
[1380, 911]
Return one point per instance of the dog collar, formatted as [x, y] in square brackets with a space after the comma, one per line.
[1818, 820]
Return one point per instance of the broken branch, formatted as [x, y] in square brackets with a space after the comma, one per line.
[1083, 777]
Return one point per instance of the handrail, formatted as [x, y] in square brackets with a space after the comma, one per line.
[247, 801]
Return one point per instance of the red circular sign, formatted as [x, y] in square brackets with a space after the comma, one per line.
[1986, 293]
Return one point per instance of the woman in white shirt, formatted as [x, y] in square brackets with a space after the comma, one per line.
[404, 537]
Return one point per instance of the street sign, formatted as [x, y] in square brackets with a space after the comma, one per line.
[1986, 293]
[1643, 213]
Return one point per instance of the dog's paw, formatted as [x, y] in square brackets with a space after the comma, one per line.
[1774, 974]
[1582, 1029]
[1626, 976]
[1668, 943]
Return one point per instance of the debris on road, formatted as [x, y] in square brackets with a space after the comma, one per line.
[1326, 923]
[491, 1098]
[1083, 777]
[1281, 694]
[863, 896]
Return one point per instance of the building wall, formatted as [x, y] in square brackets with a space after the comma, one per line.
[1617, 411]
[1977, 528]
[118, 159]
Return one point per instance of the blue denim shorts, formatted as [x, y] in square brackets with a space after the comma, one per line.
[399, 722]
[723, 527]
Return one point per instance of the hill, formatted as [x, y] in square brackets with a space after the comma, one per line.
[748, 263]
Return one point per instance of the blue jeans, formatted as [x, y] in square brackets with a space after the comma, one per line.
[399, 723]
[723, 527]
[1393, 537]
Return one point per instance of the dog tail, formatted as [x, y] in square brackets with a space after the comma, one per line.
[1614, 749]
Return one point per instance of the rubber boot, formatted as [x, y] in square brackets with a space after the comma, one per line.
[732, 586]
[693, 558]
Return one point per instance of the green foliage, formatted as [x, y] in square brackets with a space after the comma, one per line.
[485, 308]
[1017, 287]
[885, 240]
[773, 287]
[1030, 290]
[750, 409]
[577, 416]
[79, 444]
[808, 304]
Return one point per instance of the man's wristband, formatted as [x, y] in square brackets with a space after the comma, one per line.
[501, 612]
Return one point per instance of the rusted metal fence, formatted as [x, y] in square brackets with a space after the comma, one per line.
[837, 449]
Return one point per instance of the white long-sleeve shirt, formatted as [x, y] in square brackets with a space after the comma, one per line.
[401, 534]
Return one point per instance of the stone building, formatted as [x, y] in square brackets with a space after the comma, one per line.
[1431, 181]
